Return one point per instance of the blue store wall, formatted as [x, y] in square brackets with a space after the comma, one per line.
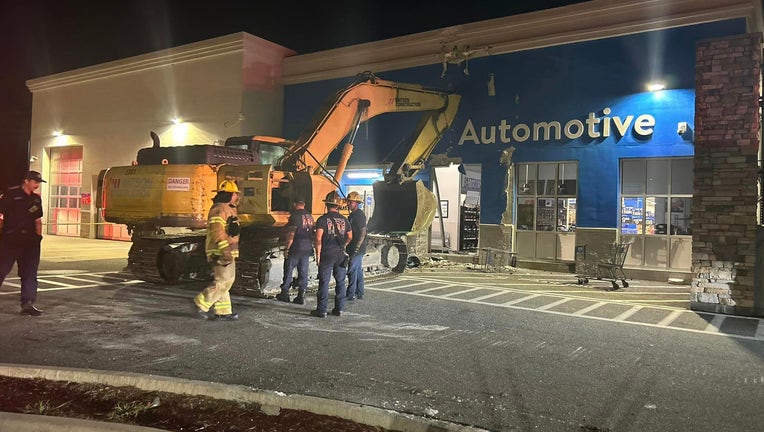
[561, 83]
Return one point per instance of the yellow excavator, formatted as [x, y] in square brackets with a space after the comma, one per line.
[165, 195]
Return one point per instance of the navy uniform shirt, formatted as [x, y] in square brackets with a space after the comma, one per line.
[333, 224]
[358, 222]
[304, 225]
[20, 211]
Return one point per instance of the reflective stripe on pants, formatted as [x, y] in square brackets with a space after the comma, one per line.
[216, 294]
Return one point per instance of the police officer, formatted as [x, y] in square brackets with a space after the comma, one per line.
[21, 228]
[332, 236]
[357, 247]
[299, 248]
[222, 248]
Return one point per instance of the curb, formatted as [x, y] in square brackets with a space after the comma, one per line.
[271, 402]
[40, 423]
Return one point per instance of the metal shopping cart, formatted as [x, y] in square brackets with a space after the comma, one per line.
[609, 268]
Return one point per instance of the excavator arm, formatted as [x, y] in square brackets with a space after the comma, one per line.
[366, 98]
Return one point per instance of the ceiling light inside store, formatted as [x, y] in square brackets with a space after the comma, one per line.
[363, 175]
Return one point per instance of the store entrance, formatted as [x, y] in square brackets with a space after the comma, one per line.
[455, 228]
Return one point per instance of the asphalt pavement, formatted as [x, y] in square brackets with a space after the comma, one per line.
[495, 350]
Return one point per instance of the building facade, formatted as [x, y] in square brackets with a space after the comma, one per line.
[577, 127]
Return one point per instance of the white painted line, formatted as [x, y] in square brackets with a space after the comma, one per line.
[715, 324]
[56, 283]
[553, 304]
[76, 279]
[760, 330]
[17, 285]
[498, 293]
[461, 292]
[521, 300]
[404, 286]
[670, 318]
[627, 314]
[434, 288]
[73, 287]
[588, 308]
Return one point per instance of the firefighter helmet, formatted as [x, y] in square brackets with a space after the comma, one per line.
[228, 186]
[333, 199]
[354, 196]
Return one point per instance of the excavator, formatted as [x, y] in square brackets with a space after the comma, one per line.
[164, 197]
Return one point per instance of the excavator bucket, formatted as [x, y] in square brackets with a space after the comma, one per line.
[401, 208]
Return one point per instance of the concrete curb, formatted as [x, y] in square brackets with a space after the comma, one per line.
[271, 402]
[12, 422]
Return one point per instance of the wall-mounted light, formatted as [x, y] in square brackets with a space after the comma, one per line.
[655, 86]
[177, 120]
[33, 159]
[57, 133]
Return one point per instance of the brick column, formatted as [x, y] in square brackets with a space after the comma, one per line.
[724, 224]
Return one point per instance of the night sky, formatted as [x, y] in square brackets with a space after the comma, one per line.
[40, 38]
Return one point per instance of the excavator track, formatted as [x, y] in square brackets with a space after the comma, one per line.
[168, 259]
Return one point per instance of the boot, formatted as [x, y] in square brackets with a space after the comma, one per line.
[300, 299]
[282, 296]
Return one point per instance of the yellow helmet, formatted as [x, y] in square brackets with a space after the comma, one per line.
[228, 186]
[355, 196]
[333, 198]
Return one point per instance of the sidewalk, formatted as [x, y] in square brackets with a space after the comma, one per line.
[65, 249]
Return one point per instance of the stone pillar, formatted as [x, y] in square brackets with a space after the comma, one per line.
[727, 121]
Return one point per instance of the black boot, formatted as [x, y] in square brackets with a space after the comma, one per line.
[300, 299]
[283, 297]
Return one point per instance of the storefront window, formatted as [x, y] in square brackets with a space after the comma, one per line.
[656, 208]
[661, 209]
[541, 205]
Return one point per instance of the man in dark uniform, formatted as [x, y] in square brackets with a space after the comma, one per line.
[21, 228]
[333, 234]
[299, 248]
[357, 247]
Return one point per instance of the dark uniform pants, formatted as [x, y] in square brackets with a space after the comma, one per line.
[301, 262]
[23, 250]
[331, 265]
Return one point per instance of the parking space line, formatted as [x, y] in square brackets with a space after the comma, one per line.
[627, 314]
[405, 286]
[670, 318]
[497, 293]
[532, 296]
[435, 288]
[48, 281]
[461, 292]
[588, 308]
[715, 324]
[553, 304]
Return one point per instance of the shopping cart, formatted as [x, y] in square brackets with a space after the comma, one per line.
[608, 268]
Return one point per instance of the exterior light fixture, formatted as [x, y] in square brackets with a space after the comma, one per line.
[57, 133]
[177, 120]
[655, 86]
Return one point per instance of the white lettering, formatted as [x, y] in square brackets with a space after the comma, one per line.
[547, 126]
[592, 127]
[525, 135]
[579, 129]
[178, 183]
[643, 126]
[469, 133]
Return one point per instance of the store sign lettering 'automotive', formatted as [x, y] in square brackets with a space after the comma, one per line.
[592, 127]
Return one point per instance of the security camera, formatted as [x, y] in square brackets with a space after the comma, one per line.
[681, 128]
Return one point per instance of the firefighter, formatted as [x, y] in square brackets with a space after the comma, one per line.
[357, 247]
[299, 248]
[222, 248]
[333, 234]
[21, 228]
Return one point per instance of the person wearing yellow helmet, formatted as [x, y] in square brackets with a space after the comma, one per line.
[332, 236]
[357, 246]
[222, 248]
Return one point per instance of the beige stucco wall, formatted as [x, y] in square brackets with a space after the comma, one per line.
[110, 109]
